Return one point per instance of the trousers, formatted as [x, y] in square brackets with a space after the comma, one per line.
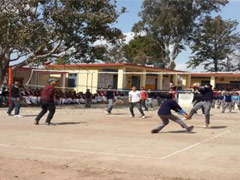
[206, 105]
[165, 120]
[138, 105]
[47, 106]
[15, 103]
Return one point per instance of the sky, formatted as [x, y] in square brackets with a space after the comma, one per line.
[127, 20]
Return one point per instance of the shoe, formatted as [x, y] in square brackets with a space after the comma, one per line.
[49, 124]
[189, 129]
[143, 117]
[154, 131]
[131, 116]
[36, 122]
[18, 116]
[206, 126]
[9, 114]
[184, 119]
[106, 112]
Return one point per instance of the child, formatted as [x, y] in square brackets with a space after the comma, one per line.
[165, 114]
[227, 102]
[235, 98]
[88, 98]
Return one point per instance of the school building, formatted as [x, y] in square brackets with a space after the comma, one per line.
[80, 77]
[221, 81]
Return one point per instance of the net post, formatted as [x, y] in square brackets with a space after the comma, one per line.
[10, 82]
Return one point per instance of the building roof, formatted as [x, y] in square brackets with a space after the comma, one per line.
[112, 65]
[216, 74]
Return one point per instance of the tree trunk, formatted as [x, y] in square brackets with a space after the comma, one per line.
[215, 65]
[4, 64]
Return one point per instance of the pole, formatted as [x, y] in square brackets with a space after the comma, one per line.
[10, 82]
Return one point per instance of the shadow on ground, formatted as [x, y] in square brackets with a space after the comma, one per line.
[69, 123]
[30, 115]
[179, 131]
[217, 127]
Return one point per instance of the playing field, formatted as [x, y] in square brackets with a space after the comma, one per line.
[86, 144]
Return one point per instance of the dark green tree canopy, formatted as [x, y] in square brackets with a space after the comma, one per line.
[213, 42]
[34, 31]
[171, 22]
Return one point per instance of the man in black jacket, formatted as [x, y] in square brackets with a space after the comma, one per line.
[110, 99]
[205, 103]
[15, 100]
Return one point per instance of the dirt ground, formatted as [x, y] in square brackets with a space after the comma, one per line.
[86, 144]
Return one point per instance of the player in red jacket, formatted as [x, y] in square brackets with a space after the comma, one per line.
[47, 102]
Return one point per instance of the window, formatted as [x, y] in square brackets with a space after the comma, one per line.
[72, 78]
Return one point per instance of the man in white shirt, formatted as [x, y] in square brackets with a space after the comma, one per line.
[135, 100]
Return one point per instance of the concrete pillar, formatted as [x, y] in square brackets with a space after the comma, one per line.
[63, 80]
[121, 79]
[175, 79]
[188, 84]
[143, 78]
[212, 81]
[160, 82]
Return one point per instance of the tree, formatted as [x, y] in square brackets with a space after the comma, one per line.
[233, 61]
[171, 22]
[142, 50]
[34, 31]
[213, 42]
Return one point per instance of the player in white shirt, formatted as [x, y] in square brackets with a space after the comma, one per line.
[135, 100]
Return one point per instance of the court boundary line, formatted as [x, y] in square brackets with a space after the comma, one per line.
[118, 154]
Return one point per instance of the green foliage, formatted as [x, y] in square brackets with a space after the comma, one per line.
[142, 50]
[169, 23]
[35, 31]
[212, 42]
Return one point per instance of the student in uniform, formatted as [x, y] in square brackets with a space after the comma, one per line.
[227, 102]
[165, 114]
[205, 103]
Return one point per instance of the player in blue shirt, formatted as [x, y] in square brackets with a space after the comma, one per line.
[165, 114]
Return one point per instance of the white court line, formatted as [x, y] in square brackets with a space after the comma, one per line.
[194, 145]
[116, 154]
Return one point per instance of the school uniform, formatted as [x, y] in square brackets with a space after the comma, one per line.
[205, 103]
[227, 103]
[165, 115]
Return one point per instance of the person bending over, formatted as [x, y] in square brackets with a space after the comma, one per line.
[165, 114]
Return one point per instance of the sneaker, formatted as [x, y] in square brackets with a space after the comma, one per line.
[36, 122]
[49, 124]
[131, 116]
[143, 117]
[18, 116]
[9, 114]
[154, 131]
[106, 112]
[189, 129]
[206, 126]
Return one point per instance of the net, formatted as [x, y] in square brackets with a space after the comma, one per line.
[94, 80]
